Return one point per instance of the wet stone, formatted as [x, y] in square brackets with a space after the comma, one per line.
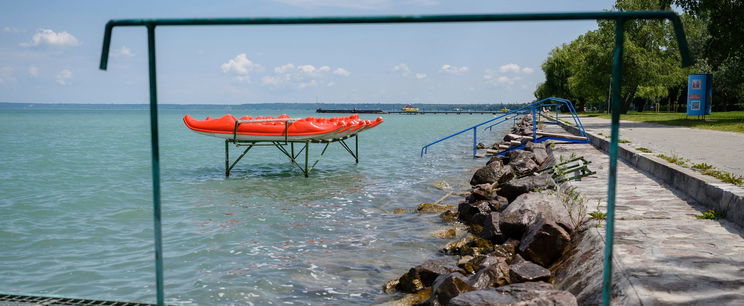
[433, 208]
[528, 271]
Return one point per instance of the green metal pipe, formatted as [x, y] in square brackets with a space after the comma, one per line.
[679, 31]
[155, 144]
[617, 74]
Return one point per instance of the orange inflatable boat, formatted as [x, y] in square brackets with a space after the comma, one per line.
[280, 128]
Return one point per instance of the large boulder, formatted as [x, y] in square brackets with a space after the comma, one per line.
[447, 287]
[527, 271]
[533, 293]
[523, 162]
[494, 275]
[524, 211]
[544, 242]
[493, 172]
[423, 275]
[514, 188]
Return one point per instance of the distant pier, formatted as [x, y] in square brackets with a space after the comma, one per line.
[377, 111]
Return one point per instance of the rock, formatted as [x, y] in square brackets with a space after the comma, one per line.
[514, 188]
[505, 250]
[466, 263]
[423, 275]
[485, 191]
[389, 287]
[498, 203]
[449, 216]
[491, 230]
[473, 213]
[533, 293]
[456, 247]
[447, 287]
[539, 151]
[523, 212]
[445, 234]
[544, 242]
[528, 271]
[398, 211]
[433, 208]
[481, 145]
[411, 299]
[523, 162]
[517, 259]
[493, 275]
[493, 172]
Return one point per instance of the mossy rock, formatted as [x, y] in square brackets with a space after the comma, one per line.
[433, 208]
[445, 234]
[449, 216]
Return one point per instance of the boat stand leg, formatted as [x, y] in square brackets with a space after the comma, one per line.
[319, 157]
[237, 160]
[307, 155]
[227, 158]
[346, 147]
[291, 146]
[356, 148]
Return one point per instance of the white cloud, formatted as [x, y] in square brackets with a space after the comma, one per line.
[403, 69]
[453, 69]
[13, 30]
[491, 77]
[241, 67]
[516, 69]
[341, 72]
[303, 76]
[122, 52]
[33, 71]
[7, 75]
[420, 75]
[47, 37]
[64, 76]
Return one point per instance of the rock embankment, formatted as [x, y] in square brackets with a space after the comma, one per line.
[518, 230]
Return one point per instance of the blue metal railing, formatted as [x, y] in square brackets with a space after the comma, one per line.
[529, 108]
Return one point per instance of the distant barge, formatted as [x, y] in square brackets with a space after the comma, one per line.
[350, 111]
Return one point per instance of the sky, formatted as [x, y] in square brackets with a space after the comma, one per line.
[50, 50]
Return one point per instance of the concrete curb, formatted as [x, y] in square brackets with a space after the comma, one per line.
[707, 191]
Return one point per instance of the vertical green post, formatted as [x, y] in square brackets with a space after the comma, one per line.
[154, 143]
[356, 147]
[617, 64]
[307, 156]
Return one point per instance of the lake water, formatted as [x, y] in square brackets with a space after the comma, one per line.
[76, 209]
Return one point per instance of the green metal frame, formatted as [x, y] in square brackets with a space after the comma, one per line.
[618, 17]
[280, 145]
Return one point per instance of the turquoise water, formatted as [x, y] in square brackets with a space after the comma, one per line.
[77, 219]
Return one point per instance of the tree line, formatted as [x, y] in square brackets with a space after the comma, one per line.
[652, 74]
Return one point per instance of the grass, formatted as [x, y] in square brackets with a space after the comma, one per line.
[644, 150]
[674, 159]
[724, 176]
[623, 141]
[702, 166]
[598, 215]
[711, 215]
[720, 121]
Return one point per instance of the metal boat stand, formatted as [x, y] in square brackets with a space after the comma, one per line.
[282, 147]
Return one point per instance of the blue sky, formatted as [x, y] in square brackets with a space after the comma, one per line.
[49, 53]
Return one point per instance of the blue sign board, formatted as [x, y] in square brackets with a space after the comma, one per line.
[699, 94]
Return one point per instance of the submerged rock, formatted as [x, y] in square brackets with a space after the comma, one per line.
[532, 293]
[445, 234]
[527, 271]
[433, 208]
[514, 188]
[449, 216]
[411, 299]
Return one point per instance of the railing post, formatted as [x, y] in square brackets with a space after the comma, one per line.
[617, 63]
[155, 144]
[475, 141]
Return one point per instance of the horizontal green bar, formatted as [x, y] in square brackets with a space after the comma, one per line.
[399, 19]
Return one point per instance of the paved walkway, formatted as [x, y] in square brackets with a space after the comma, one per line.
[724, 150]
[667, 255]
